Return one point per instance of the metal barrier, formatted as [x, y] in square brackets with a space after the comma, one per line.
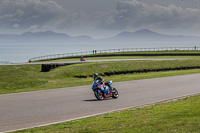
[5, 62]
[112, 51]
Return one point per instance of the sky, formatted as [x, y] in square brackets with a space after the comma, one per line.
[100, 18]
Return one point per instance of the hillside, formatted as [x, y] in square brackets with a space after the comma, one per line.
[42, 37]
[53, 37]
[150, 36]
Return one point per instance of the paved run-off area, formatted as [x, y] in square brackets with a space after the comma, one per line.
[31, 109]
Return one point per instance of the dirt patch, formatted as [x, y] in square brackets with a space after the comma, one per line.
[103, 66]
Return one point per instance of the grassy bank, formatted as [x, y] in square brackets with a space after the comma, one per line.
[180, 116]
[125, 57]
[133, 55]
[29, 78]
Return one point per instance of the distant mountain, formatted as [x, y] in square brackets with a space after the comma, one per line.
[139, 33]
[53, 37]
[149, 36]
[42, 37]
[43, 34]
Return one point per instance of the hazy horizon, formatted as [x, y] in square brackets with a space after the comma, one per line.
[100, 19]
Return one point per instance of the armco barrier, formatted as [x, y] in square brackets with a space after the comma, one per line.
[47, 57]
[5, 62]
[48, 67]
[141, 71]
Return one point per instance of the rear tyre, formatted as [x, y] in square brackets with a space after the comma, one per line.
[115, 94]
[99, 95]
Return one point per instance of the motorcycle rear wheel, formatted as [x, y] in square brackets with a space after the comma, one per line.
[115, 94]
[98, 95]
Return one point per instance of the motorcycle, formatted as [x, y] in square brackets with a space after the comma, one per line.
[82, 59]
[104, 90]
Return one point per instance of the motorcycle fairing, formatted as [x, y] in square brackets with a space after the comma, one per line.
[97, 85]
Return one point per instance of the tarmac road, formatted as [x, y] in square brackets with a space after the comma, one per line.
[39, 108]
[88, 61]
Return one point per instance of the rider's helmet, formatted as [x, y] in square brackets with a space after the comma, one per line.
[95, 76]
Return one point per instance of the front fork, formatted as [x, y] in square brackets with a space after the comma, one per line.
[110, 87]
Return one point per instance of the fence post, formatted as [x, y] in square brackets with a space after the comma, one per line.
[113, 51]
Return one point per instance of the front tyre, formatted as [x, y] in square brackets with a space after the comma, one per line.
[115, 94]
[99, 95]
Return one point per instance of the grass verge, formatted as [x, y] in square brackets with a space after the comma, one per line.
[180, 116]
[24, 78]
[125, 57]
[133, 55]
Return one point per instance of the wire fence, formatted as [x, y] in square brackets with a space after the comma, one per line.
[5, 62]
[112, 51]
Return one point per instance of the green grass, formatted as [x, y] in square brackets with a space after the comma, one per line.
[118, 56]
[182, 116]
[126, 57]
[179, 116]
[22, 78]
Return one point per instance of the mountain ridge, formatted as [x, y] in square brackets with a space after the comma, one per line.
[144, 35]
[147, 35]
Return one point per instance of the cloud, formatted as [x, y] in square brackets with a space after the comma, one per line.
[29, 13]
[135, 14]
[35, 15]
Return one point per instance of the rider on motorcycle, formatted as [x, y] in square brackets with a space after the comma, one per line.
[97, 77]
[101, 80]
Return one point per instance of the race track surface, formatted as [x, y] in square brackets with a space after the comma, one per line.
[87, 61]
[32, 109]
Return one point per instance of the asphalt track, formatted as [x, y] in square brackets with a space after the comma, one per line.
[88, 61]
[39, 108]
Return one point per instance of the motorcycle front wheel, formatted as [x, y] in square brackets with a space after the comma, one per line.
[99, 95]
[115, 94]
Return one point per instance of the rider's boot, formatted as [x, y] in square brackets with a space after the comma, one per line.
[111, 89]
